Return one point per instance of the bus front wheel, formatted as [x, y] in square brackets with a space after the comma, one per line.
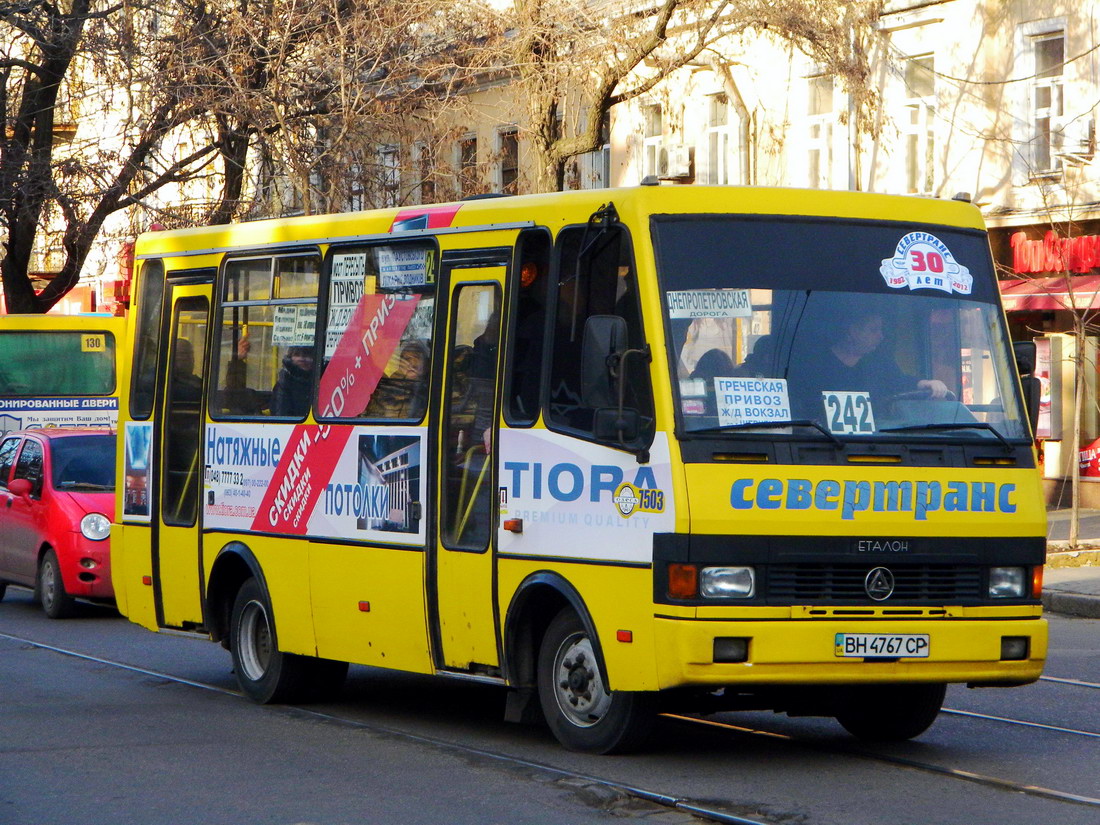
[582, 713]
[265, 673]
[891, 713]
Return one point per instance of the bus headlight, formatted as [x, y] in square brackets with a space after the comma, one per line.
[95, 526]
[1006, 582]
[727, 582]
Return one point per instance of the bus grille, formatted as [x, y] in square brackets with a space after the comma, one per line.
[817, 583]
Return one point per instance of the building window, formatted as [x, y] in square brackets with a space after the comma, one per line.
[719, 143]
[390, 172]
[820, 118]
[918, 125]
[357, 191]
[654, 128]
[467, 166]
[1049, 51]
[592, 170]
[424, 160]
[509, 161]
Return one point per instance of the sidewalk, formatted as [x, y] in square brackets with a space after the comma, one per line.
[1071, 581]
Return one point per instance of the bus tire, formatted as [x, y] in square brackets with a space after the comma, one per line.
[581, 712]
[264, 673]
[891, 713]
[56, 603]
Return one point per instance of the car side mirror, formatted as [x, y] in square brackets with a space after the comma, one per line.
[20, 487]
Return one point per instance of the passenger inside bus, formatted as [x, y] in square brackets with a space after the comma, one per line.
[714, 363]
[530, 332]
[760, 363]
[483, 370]
[403, 391]
[294, 386]
[186, 386]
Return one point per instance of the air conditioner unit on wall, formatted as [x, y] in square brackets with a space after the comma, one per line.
[674, 162]
[1078, 140]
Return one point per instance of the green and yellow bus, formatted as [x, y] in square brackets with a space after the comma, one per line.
[617, 451]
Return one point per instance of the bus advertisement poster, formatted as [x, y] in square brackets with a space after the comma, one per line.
[365, 491]
[136, 484]
[25, 413]
[583, 500]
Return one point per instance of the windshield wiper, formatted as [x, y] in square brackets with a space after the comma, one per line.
[944, 425]
[796, 422]
[84, 485]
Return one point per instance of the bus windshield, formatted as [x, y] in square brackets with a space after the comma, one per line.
[840, 329]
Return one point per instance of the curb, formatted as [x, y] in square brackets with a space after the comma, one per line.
[1058, 555]
[1071, 604]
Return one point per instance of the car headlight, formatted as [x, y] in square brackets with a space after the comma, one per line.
[727, 582]
[95, 526]
[1007, 582]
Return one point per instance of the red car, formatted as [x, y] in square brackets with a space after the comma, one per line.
[57, 495]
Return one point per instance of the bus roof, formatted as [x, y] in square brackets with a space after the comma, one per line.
[555, 210]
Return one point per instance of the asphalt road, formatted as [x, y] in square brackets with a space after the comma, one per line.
[89, 741]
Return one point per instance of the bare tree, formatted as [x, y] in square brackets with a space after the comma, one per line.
[597, 55]
[87, 102]
[1079, 300]
[107, 104]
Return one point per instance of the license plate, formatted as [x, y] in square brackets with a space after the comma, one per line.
[882, 645]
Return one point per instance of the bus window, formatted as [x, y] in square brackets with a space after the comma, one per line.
[528, 328]
[392, 287]
[268, 326]
[471, 387]
[81, 363]
[182, 467]
[596, 277]
[144, 382]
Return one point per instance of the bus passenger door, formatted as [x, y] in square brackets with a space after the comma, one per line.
[466, 618]
[177, 517]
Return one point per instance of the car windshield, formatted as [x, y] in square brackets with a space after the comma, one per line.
[848, 329]
[83, 462]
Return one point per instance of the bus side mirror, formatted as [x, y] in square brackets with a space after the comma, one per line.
[613, 424]
[605, 337]
[1026, 357]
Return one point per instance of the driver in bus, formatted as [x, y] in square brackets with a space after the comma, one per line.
[853, 363]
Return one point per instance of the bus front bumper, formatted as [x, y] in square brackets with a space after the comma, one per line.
[808, 651]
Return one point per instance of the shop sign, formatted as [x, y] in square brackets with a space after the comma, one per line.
[1089, 465]
[1054, 254]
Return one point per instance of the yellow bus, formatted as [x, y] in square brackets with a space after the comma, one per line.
[616, 451]
[59, 370]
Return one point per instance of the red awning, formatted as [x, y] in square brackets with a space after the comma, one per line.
[1052, 293]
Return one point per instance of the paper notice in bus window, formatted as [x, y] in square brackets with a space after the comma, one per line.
[401, 266]
[294, 326]
[346, 288]
[751, 400]
[709, 303]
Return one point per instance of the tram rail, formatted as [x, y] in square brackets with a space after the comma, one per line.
[699, 810]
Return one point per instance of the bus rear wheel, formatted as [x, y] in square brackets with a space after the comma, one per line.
[265, 673]
[891, 713]
[582, 713]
